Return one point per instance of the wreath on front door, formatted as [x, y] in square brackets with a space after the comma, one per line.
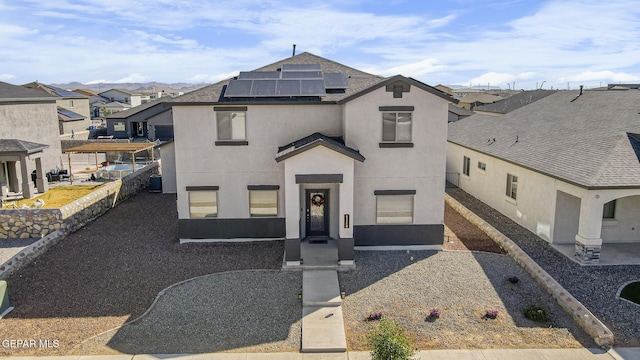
[317, 200]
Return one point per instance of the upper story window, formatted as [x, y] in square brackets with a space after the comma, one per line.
[396, 126]
[231, 125]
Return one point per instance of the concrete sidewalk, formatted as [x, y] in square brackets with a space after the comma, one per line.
[488, 354]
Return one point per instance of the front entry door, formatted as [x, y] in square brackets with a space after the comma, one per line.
[317, 212]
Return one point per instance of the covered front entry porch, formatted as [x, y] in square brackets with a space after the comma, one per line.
[319, 181]
[18, 160]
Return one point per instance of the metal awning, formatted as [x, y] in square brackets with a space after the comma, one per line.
[95, 148]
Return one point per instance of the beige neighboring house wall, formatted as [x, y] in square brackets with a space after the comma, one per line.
[168, 171]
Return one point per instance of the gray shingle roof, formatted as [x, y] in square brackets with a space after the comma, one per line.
[11, 92]
[586, 141]
[20, 146]
[515, 101]
[313, 140]
[137, 109]
[358, 80]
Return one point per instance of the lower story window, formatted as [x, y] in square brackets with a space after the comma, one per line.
[394, 209]
[119, 126]
[512, 186]
[609, 210]
[263, 202]
[203, 204]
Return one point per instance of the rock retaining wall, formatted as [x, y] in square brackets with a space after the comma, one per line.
[591, 325]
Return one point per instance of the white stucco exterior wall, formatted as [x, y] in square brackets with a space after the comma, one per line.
[200, 162]
[420, 168]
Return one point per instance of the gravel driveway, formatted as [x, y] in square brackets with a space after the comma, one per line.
[593, 286]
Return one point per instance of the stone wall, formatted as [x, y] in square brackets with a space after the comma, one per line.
[37, 223]
[589, 322]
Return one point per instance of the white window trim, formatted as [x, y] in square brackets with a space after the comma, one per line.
[464, 162]
[507, 197]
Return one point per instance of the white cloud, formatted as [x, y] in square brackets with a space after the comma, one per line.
[207, 78]
[94, 82]
[417, 69]
[133, 78]
[605, 75]
[5, 77]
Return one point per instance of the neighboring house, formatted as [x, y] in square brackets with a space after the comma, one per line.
[122, 96]
[167, 152]
[444, 89]
[29, 139]
[471, 101]
[307, 147]
[96, 102]
[513, 102]
[152, 121]
[456, 113]
[74, 114]
[113, 107]
[566, 167]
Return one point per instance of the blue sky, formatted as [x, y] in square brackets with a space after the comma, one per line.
[554, 43]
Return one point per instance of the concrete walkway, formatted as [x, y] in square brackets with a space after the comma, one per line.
[322, 320]
[489, 354]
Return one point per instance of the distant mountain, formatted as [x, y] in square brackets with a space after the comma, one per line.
[147, 87]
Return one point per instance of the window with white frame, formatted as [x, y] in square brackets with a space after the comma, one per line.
[396, 126]
[482, 166]
[512, 186]
[71, 103]
[394, 209]
[263, 203]
[203, 204]
[231, 125]
[609, 210]
[466, 165]
[119, 126]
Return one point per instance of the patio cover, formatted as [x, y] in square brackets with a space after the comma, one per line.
[131, 148]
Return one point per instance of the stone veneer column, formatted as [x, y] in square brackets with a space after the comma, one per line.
[588, 241]
[588, 250]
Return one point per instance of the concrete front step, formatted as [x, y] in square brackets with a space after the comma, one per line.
[323, 329]
[320, 288]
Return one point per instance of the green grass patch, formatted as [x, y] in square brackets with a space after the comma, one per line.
[631, 292]
[57, 196]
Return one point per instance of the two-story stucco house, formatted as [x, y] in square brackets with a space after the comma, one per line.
[307, 147]
[29, 140]
[122, 96]
[566, 167]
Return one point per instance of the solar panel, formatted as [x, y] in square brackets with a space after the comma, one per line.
[288, 88]
[301, 67]
[253, 75]
[238, 88]
[312, 87]
[335, 81]
[302, 75]
[262, 88]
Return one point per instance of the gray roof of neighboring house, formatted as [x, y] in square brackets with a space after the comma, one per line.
[9, 92]
[125, 91]
[480, 97]
[68, 115]
[20, 146]
[137, 109]
[313, 140]
[591, 140]
[460, 111]
[515, 101]
[52, 90]
[359, 83]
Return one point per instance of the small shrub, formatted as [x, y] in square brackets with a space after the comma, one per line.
[389, 341]
[536, 313]
[491, 314]
[375, 316]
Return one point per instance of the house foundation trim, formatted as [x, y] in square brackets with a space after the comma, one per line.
[259, 228]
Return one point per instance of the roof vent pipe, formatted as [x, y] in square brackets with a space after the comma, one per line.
[580, 87]
[294, 50]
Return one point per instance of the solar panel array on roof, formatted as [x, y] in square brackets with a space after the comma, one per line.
[301, 67]
[292, 80]
[69, 113]
[335, 81]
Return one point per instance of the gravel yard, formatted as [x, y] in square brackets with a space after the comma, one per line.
[110, 271]
[594, 286]
[463, 286]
